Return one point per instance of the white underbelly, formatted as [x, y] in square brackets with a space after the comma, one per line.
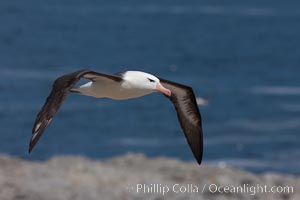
[112, 90]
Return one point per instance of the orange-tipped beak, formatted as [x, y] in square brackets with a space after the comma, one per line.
[163, 90]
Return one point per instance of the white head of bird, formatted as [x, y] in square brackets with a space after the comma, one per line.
[144, 81]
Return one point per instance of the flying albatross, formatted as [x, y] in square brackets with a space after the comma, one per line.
[121, 86]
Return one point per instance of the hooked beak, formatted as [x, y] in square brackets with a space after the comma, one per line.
[163, 90]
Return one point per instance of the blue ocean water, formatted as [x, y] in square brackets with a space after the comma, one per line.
[243, 56]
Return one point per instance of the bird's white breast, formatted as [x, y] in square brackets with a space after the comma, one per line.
[113, 90]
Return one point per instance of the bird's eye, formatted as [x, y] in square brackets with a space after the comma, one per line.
[151, 80]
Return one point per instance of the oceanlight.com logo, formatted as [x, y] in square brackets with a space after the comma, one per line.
[252, 190]
[249, 189]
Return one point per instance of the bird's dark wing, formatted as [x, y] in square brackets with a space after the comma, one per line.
[60, 89]
[188, 115]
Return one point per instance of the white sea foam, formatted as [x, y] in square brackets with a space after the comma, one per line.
[168, 9]
[148, 142]
[285, 154]
[240, 162]
[266, 125]
[290, 107]
[202, 101]
[244, 139]
[252, 163]
[207, 10]
[276, 90]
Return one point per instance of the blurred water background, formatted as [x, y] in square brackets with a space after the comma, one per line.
[243, 56]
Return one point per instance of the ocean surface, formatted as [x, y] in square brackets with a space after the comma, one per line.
[242, 56]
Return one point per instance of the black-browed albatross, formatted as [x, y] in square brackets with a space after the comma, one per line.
[121, 86]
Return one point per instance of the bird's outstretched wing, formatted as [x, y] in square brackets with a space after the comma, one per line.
[60, 89]
[188, 115]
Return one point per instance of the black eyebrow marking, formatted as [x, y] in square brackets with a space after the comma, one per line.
[151, 80]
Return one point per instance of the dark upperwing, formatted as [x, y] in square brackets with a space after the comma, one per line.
[188, 115]
[60, 89]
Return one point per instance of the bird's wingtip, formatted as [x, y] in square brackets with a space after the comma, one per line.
[31, 145]
[33, 140]
[199, 160]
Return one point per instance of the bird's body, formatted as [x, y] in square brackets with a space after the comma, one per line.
[117, 90]
[121, 86]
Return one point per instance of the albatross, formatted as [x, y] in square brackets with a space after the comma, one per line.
[122, 86]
